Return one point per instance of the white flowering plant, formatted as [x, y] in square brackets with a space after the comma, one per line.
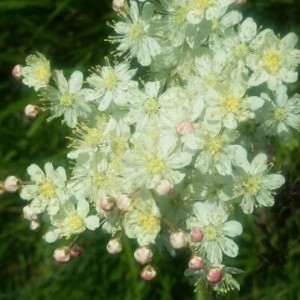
[168, 139]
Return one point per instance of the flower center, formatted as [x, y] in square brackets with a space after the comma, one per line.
[148, 222]
[136, 31]
[203, 4]
[271, 61]
[47, 189]
[211, 232]
[251, 186]
[231, 103]
[110, 80]
[214, 146]
[241, 51]
[118, 145]
[210, 81]
[151, 106]
[180, 15]
[42, 73]
[279, 114]
[76, 223]
[93, 136]
[98, 179]
[156, 166]
[66, 99]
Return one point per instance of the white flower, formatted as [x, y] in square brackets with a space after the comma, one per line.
[37, 71]
[255, 187]
[217, 231]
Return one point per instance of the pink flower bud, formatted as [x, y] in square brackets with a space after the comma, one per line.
[62, 254]
[124, 203]
[196, 262]
[76, 251]
[164, 187]
[31, 111]
[178, 239]
[185, 127]
[114, 246]
[34, 225]
[148, 273]
[107, 204]
[12, 184]
[196, 235]
[214, 275]
[143, 255]
[16, 71]
[118, 5]
[28, 213]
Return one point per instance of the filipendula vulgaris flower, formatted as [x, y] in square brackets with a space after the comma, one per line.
[111, 84]
[135, 33]
[143, 221]
[37, 72]
[212, 219]
[254, 186]
[282, 113]
[45, 189]
[273, 60]
[73, 218]
[68, 99]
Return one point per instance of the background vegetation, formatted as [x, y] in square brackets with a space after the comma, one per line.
[71, 33]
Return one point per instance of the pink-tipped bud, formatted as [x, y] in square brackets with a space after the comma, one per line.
[107, 204]
[164, 187]
[178, 239]
[118, 5]
[34, 225]
[16, 71]
[185, 127]
[214, 275]
[31, 111]
[114, 246]
[12, 184]
[28, 213]
[148, 273]
[143, 255]
[196, 235]
[76, 251]
[123, 203]
[196, 262]
[62, 254]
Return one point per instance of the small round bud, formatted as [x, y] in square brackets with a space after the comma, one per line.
[185, 127]
[51, 236]
[214, 275]
[31, 111]
[16, 71]
[34, 225]
[148, 273]
[123, 203]
[196, 262]
[76, 251]
[164, 187]
[143, 255]
[114, 246]
[196, 235]
[12, 184]
[28, 213]
[118, 5]
[107, 204]
[178, 239]
[62, 254]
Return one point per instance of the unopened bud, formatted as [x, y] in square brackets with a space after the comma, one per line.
[178, 239]
[185, 127]
[119, 5]
[28, 213]
[114, 246]
[164, 187]
[148, 273]
[107, 204]
[196, 262]
[196, 235]
[16, 71]
[124, 203]
[31, 111]
[214, 275]
[34, 225]
[143, 255]
[12, 184]
[76, 251]
[62, 254]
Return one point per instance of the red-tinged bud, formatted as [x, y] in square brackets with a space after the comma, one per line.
[196, 262]
[31, 111]
[114, 246]
[214, 275]
[76, 251]
[143, 255]
[148, 273]
[12, 184]
[62, 254]
[185, 127]
[107, 204]
[119, 5]
[178, 239]
[164, 187]
[123, 203]
[16, 71]
[196, 235]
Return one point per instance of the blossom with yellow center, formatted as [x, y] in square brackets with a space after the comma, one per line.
[251, 186]
[280, 114]
[47, 189]
[151, 106]
[214, 146]
[156, 166]
[231, 104]
[66, 99]
[272, 61]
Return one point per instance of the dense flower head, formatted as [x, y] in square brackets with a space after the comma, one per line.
[158, 144]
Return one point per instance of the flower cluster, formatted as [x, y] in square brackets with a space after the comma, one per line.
[166, 152]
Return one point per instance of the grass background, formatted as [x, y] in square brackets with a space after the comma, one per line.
[71, 33]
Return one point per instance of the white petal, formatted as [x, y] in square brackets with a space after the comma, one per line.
[83, 207]
[75, 82]
[273, 181]
[259, 163]
[92, 222]
[232, 228]
[228, 246]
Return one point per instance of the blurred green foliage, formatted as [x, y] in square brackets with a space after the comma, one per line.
[71, 33]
